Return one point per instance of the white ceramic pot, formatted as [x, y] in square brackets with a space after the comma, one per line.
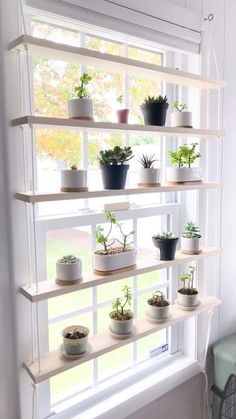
[183, 174]
[190, 245]
[107, 263]
[181, 119]
[80, 109]
[149, 176]
[187, 300]
[75, 346]
[121, 327]
[158, 312]
[73, 180]
[69, 271]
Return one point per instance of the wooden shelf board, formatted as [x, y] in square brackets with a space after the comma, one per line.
[92, 126]
[88, 57]
[62, 196]
[52, 363]
[145, 263]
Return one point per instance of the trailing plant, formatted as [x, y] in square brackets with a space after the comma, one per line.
[165, 236]
[81, 91]
[74, 167]
[179, 106]
[191, 231]
[155, 99]
[187, 280]
[158, 299]
[185, 155]
[68, 259]
[119, 305]
[120, 99]
[117, 156]
[147, 161]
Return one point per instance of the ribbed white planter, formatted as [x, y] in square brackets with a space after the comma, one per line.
[69, 271]
[181, 119]
[121, 327]
[183, 174]
[149, 176]
[158, 312]
[190, 245]
[108, 263]
[80, 109]
[73, 180]
[75, 346]
[187, 300]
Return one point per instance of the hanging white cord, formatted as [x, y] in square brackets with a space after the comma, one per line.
[38, 337]
[34, 402]
[22, 16]
[207, 413]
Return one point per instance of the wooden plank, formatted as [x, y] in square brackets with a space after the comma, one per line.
[49, 289]
[83, 56]
[52, 363]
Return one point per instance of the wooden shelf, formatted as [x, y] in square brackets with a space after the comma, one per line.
[92, 126]
[87, 57]
[62, 196]
[145, 263]
[52, 363]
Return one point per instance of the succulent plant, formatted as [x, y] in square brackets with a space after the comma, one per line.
[179, 106]
[156, 99]
[165, 236]
[68, 259]
[147, 161]
[116, 156]
[81, 91]
[191, 231]
[119, 305]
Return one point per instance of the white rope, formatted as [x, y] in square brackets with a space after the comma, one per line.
[207, 413]
[22, 15]
[35, 248]
[34, 402]
[38, 337]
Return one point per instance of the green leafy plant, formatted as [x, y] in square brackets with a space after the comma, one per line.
[187, 280]
[147, 161]
[74, 167]
[156, 99]
[179, 106]
[115, 157]
[81, 91]
[165, 236]
[158, 299]
[107, 243]
[119, 305]
[191, 231]
[120, 99]
[185, 155]
[68, 259]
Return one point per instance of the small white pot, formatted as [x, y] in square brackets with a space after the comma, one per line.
[69, 271]
[190, 245]
[75, 346]
[73, 180]
[80, 109]
[158, 312]
[183, 174]
[181, 119]
[148, 176]
[107, 263]
[187, 300]
[121, 327]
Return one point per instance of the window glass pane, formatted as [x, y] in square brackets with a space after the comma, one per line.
[145, 55]
[104, 45]
[55, 33]
[114, 362]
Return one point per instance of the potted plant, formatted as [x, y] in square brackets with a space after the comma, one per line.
[184, 157]
[68, 270]
[121, 319]
[190, 239]
[181, 117]
[114, 171]
[81, 106]
[148, 175]
[154, 110]
[122, 113]
[188, 295]
[166, 243]
[74, 179]
[113, 254]
[75, 340]
[158, 306]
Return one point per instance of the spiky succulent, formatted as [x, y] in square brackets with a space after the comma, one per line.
[147, 161]
[156, 99]
[191, 231]
[68, 259]
[165, 236]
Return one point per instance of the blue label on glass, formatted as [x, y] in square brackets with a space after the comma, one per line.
[159, 350]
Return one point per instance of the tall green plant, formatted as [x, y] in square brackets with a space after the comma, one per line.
[185, 155]
[119, 304]
[81, 91]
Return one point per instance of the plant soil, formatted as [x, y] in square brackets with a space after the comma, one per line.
[126, 316]
[188, 291]
[76, 334]
[113, 251]
[158, 303]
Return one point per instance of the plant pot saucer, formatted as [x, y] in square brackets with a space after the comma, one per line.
[188, 252]
[152, 320]
[84, 118]
[148, 185]
[67, 356]
[184, 183]
[188, 308]
[121, 336]
[74, 189]
[71, 282]
[116, 271]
